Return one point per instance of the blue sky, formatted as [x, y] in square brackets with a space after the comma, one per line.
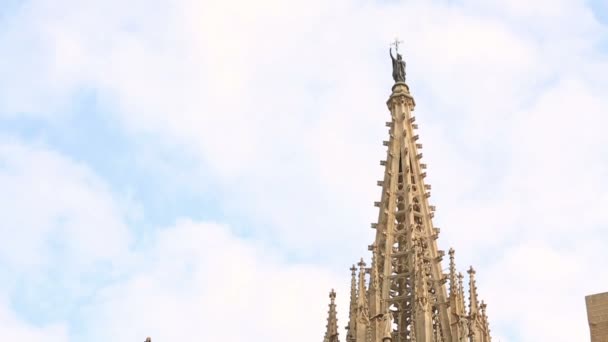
[170, 167]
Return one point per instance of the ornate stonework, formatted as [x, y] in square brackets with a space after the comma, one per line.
[405, 298]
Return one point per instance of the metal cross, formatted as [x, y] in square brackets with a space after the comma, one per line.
[396, 44]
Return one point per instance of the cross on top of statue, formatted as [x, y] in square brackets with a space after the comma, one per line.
[396, 44]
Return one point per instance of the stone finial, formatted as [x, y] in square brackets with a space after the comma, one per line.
[148, 339]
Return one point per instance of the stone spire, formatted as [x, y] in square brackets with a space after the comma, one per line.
[408, 261]
[331, 334]
[352, 314]
[406, 275]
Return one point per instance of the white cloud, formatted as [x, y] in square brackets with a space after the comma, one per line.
[50, 202]
[13, 329]
[198, 282]
[176, 281]
[547, 285]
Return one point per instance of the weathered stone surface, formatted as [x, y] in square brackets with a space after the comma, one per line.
[597, 315]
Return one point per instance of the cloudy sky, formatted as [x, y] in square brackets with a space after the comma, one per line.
[206, 170]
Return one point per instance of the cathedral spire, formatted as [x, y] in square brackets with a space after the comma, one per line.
[331, 334]
[409, 262]
[406, 279]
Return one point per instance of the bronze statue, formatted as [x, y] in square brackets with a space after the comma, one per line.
[398, 66]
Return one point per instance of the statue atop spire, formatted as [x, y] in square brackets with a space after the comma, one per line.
[398, 63]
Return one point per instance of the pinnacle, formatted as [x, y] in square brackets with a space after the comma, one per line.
[471, 270]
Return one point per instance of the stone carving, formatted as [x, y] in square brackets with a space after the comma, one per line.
[363, 313]
[463, 326]
[387, 326]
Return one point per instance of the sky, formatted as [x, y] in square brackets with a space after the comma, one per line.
[207, 169]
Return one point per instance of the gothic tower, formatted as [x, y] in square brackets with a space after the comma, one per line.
[405, 298]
